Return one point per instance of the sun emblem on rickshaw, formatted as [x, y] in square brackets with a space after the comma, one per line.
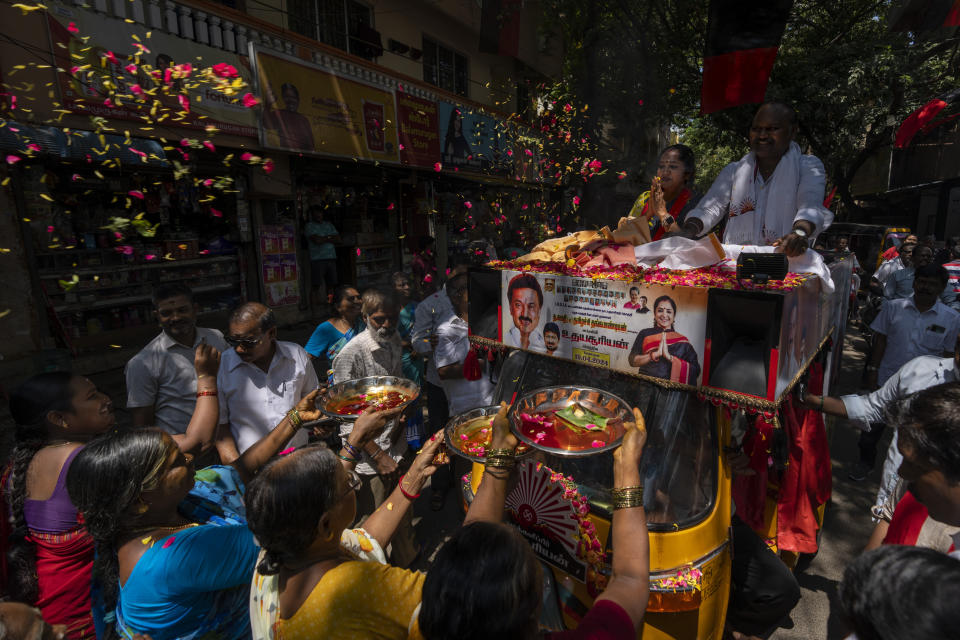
[537, 502]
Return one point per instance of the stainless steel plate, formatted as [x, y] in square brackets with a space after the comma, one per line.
[565, 440]
[373, 385]
[461, 433]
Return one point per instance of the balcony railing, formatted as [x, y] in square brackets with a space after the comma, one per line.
[224, 28]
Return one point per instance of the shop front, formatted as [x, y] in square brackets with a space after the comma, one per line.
[104, 238]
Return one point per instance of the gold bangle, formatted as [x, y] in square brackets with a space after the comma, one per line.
[627, 497]
[501, 462]
[500, 453]
[627, 504]
[294, 416]
[499, 474]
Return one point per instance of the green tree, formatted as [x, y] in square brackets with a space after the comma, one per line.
[851, 79]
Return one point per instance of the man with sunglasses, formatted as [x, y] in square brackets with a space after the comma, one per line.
[260, 380]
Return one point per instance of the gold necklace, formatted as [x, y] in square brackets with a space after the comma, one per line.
[152, 538]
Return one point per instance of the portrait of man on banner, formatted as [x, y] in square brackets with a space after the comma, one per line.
[525, 299]
[293, 129]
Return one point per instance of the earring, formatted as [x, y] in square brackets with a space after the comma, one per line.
[63, 424]
[142, 508]
[328, 537]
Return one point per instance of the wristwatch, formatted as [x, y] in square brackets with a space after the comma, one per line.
[800, 232]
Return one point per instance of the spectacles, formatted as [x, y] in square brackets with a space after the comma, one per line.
[353, 483]
[246, 343]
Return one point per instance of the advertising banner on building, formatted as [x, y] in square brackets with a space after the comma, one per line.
[471, 140]
[419, 136]
[650, 329]
[86, 40]
[310, 110]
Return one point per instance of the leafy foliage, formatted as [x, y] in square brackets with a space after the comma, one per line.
[851, 79]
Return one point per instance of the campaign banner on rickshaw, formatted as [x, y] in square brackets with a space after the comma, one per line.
[649, 329]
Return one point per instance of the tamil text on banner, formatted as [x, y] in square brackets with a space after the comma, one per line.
[108, 46]
[308, 109]
[639, 328]
[419, 137]
[470, 140]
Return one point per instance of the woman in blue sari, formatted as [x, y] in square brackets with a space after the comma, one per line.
[174, 554]
[330, 336]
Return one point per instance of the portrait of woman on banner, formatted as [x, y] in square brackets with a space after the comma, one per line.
[661, 352]
[455, 143]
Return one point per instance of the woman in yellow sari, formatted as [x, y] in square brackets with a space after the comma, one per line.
[315, 577]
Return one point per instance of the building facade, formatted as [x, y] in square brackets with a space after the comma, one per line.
[389, 115]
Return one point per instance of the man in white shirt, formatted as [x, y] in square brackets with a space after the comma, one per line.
[378, 351]
[905, 329]
[773, 195]
[452, 350]
[431, 312]
[260, 380]
[161, 379]
[863, 410]
[899, 283]
[929, 432]
[525, 298]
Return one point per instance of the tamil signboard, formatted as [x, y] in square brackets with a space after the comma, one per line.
[419, 137]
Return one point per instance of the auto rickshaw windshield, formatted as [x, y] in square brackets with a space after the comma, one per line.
[680, 459]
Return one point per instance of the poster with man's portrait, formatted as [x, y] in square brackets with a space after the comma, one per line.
[654, 330]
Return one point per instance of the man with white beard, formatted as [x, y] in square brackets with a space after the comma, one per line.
[378, 351]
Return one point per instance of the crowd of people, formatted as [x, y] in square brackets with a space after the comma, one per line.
[230, 508]
[120, 532]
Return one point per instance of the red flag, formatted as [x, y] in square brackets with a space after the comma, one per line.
[953, 16]
[922, 117]
[829, 198]
[742, 41]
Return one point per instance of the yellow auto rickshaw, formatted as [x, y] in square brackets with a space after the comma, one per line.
[687, 494]
[757, 343]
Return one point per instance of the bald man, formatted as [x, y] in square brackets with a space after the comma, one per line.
[771, 196]
[260, 380]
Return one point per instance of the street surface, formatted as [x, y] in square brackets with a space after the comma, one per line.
[847, 523]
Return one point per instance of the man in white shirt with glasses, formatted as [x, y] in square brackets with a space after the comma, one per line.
[260, 380]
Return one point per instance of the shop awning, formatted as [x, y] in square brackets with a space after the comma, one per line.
[15, 136]
[132, 151]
